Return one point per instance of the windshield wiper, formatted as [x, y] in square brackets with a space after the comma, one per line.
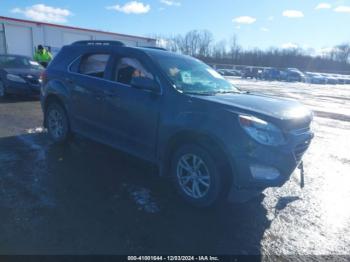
[201, 93]
[228, 92]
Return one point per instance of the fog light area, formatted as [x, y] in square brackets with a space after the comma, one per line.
[264, 172]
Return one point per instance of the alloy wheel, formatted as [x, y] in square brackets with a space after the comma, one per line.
[193, 176]
[56, 123]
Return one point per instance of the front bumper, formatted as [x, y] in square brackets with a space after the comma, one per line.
[27, 88]
[259, 167]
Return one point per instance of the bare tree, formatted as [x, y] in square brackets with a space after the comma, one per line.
[200, 43]
[342, 53]
[205, 42]
[234, 48]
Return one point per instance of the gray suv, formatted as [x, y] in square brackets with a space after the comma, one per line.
[215, 141]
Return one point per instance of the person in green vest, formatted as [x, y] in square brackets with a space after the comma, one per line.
[42, 56]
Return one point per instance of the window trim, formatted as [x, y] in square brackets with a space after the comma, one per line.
[115, 57]
[69, 67]
[156, 78]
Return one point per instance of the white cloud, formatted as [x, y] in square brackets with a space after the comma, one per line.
[342, 9]
[132, 7]
[244, 20]
[264, 29]
[323, 6]
[170, 2]
[44, 13]
[290, 46]
[293, 14]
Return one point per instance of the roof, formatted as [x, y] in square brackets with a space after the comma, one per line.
[73, 28]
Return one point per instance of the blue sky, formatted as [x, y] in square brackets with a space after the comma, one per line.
[314, 24]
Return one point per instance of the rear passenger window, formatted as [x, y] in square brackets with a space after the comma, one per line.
[94, 65]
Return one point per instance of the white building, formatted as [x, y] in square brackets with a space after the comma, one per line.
[21, 37]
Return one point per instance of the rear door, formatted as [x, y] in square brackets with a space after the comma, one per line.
[88, 84]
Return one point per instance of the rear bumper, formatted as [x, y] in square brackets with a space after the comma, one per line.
[263, 167]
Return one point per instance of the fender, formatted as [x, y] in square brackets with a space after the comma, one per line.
[55, 89]
[196, 126]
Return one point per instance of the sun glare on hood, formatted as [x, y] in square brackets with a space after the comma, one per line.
[298, 112]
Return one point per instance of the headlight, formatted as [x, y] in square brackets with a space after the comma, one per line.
[15, 78]
[262, 131]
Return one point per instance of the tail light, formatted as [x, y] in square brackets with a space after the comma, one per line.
[43, 77]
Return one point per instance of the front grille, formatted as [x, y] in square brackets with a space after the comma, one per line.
[300, 149]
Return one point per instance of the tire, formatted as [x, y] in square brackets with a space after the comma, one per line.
[2, 90]
[57, 123]
[203, 186]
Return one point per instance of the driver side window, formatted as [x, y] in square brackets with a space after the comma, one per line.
[129, 68]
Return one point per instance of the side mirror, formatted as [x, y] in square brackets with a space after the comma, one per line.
[144, 83]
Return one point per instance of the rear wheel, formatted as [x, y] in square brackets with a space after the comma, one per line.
[196, 176]
[57, 123]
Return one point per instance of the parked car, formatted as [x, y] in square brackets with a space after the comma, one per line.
[341, 79]
[315, 78]
[331, 80]
[250, 73]
[19, 75]
[347, 79]
[229, 72]
[221, 71]
[213, 140]
[292, 75]
[271, 74]
[234, 72]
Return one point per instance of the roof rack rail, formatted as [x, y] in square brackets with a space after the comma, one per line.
[155, 47]
[99, 43]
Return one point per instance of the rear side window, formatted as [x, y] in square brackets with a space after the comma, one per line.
[94, 65]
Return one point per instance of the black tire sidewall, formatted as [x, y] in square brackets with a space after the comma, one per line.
[213, 195]
[60, 109]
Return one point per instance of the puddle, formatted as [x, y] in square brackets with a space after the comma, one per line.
[143, 199]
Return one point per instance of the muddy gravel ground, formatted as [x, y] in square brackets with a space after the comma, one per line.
[85, 198]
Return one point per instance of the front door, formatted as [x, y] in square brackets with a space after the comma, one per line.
[132, 113]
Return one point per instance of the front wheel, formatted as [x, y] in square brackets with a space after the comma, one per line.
[57, 123]
[196, 176]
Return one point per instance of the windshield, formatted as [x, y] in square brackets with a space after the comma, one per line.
[192, 76]
[18, 62]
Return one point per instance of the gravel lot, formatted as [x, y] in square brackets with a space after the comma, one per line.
[86, 198]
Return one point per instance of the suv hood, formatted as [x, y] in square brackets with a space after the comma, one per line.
[282, 109]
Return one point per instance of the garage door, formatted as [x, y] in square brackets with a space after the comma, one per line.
[19, 40]
[69, 38]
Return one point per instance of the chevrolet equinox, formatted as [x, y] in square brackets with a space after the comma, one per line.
[215, 141]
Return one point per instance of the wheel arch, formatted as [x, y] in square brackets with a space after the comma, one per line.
[208, 142]
[54, 98]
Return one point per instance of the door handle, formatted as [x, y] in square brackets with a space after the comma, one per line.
[110, 94]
